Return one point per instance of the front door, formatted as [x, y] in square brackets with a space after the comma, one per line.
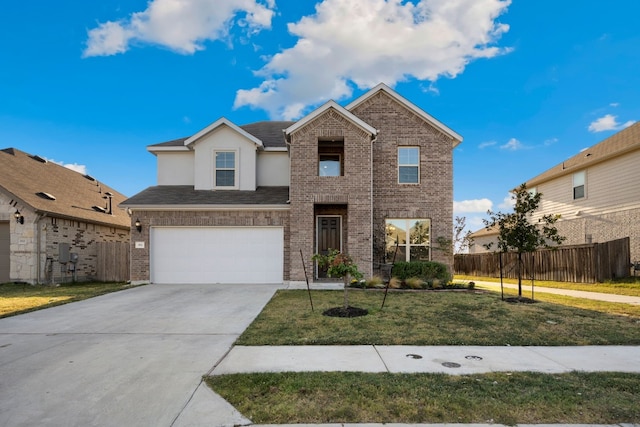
[329, 237]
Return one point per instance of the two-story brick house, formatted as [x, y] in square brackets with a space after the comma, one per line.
[242, 204]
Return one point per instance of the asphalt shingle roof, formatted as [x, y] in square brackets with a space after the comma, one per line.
[165, 195]
[624, 141]
[23, 176]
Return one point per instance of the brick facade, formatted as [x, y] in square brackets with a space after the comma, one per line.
[432, 198]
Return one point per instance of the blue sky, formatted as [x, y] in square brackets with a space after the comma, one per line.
[526, 83]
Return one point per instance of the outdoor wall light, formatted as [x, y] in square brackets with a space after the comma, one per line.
[19, 218]
[138, 225]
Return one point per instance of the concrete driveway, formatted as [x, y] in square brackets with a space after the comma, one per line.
[130, 358]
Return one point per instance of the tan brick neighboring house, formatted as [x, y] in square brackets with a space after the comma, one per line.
[48, 215]
[241, 204]
[596, 192]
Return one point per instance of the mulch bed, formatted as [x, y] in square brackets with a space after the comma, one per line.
[345, 312]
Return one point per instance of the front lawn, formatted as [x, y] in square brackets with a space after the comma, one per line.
[18, 298]
[434, 318]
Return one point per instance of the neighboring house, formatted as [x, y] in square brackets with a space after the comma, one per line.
[246, 204]
[51, 218]
[596, 192]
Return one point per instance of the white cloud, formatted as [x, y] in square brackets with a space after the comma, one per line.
[73, 166]
[608, 122]
[180, 25]
[508, 202]
[513, 145]
[472, 206]
[550, 141]
[365, 42]
[614, 104]
[487, 144]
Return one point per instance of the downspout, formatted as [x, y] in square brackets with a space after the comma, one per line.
[373, 140]
[38, 244]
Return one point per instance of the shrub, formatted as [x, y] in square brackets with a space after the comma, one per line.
[374, 282]
[414, 283]
[428, 271]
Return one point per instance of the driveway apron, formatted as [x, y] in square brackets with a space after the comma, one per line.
[130, 358]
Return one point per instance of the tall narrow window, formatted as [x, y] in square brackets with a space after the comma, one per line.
[331, 158]
[578, 185]
[225, 173]
[408, 165]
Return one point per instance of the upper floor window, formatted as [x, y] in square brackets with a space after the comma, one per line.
[330, 157]
[579, 185]
[408, 165]
[225, 169]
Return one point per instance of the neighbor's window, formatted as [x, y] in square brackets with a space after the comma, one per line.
[330, 157]
[408, 165]
[578, 185]
[225, 170]
[411, 236]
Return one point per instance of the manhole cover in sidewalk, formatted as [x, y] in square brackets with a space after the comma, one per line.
[414, 356]
[473, 357]
[451, 365]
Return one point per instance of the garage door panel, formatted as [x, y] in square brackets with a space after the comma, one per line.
[217, 254]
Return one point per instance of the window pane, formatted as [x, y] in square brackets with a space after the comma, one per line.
[408, 155]
[578, 179]
[396, 231]
[329, 165]
[578, 192]
[225, 178]
[419, 253]
[419, 233]
[225, 160]
[408, 174]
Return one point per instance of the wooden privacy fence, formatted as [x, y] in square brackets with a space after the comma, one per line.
[588, 263]
[112, 262]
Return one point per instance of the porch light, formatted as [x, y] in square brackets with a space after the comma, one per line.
[138, 225]
[19, 218]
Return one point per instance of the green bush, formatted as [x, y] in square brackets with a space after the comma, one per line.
[428, 271]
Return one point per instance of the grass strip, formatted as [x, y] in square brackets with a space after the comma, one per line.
[18, 298]
[434, 318]
[507, 398]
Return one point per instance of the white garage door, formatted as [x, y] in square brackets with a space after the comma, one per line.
[217, 254]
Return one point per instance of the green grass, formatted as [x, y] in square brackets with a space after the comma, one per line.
[507, 398]
[22, 298]
[437, 318]
[629, 286]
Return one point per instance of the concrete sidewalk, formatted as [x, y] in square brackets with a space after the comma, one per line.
[455, 360]
[526, 291]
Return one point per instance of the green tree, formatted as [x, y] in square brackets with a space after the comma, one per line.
[339, 265]
[517, 230]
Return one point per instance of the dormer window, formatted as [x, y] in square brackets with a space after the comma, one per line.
[225, 169]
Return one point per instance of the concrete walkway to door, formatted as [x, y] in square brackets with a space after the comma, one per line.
[130, 358]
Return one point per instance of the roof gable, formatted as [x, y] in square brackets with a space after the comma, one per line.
[625, 141]
[222, 122]
[418, 111]
[325, 107]
[52, 189]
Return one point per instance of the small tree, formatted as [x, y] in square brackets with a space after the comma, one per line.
[517, 231]
[462, 239]
[339, 265]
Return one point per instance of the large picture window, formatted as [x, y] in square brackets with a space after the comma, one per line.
[411, 236]
[225, 173]
[408, 165]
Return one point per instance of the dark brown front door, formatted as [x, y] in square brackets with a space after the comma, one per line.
[329, 237]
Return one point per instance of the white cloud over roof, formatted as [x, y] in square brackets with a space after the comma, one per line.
[365, 42]
[472, 206]
[180, 25]
[608, 122]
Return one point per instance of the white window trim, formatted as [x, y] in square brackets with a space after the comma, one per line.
[412, 165]
[236, 175]
[574, 186]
